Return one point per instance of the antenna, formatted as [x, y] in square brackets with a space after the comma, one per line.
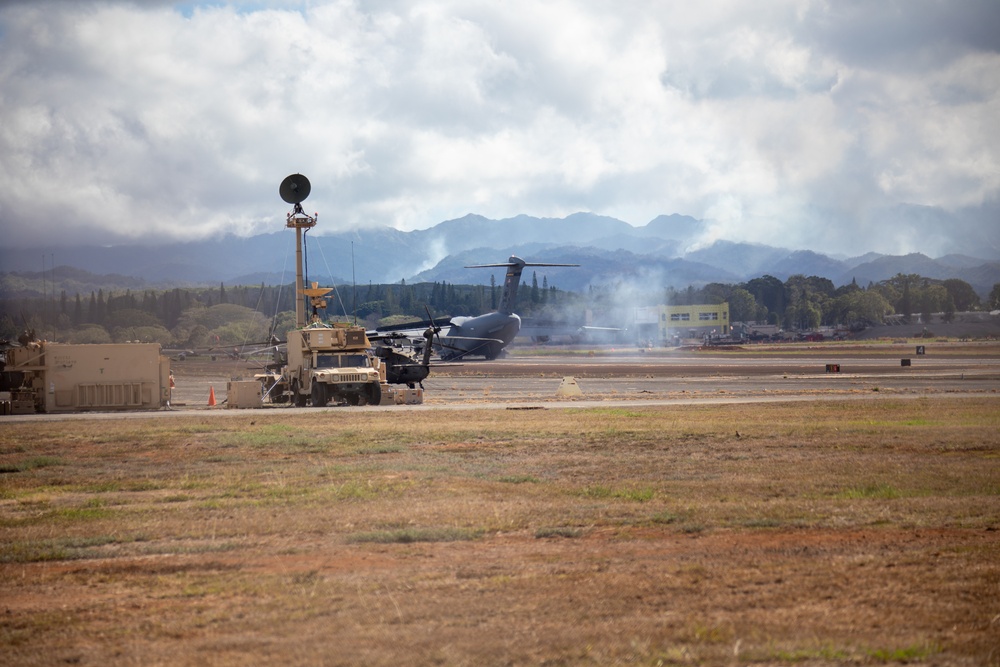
[45, 301]
[294, 190]
[305, 258]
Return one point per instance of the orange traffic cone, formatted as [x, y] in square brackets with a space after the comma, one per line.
[211, 396]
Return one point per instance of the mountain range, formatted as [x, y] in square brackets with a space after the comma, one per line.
[664, 253]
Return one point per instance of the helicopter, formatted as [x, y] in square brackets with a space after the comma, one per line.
[408, 368]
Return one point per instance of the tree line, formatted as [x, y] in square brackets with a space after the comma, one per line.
[239, 315]
[807, 302]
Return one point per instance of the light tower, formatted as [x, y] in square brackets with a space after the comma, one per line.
[294, 190]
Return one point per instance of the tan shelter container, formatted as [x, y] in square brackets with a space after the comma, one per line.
[243, 394]
[71, 378]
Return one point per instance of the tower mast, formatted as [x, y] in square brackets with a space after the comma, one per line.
[294, 190]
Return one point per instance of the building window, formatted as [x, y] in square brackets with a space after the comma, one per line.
[708, 316]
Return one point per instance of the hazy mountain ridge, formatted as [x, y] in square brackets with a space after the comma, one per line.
[608, 250]
[72, 281]
[982, 276]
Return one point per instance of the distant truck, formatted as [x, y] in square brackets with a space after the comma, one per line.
[326, 363]
[39, 376]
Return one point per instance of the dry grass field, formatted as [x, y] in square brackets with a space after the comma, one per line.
[824, 533]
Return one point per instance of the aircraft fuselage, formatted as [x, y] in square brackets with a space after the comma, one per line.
[500, 327]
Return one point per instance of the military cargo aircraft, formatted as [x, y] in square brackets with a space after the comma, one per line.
[484, 335]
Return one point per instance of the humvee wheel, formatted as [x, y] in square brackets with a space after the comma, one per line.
[318, 395]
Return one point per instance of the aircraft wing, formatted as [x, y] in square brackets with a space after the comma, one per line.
[590, 328]
[511, 263]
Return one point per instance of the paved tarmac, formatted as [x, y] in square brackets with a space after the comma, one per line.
[642, 378]
[531, 378]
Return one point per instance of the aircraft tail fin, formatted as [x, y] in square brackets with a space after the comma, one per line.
[515, 265]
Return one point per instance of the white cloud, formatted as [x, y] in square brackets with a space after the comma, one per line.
[148, 120]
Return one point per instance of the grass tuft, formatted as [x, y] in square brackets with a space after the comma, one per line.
[31, 464]
[519, 479]
[907, 654]
[605, 492]
[872, 492]
[409, 535]
[559, 531]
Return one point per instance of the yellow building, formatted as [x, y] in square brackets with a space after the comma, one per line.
[664, 322]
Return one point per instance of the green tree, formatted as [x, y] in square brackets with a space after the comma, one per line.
[90, 333]
[405, 298]
[849, 287]
[862, 308]
[252, 330]
[143, 334]
[370, 309]
[932, 299]
[949, 309]
[130, 317]
[963, 296]
[806, 295]
[770, 293]
[283, 323]
[887, 292]
[995, 297]
[743, 307]
[8, 329]
[149, 303]
[196, 336]
[803, 315]
[77, 311]
[908, 287]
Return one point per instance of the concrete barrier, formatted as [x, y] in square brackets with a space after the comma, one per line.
[569, 388]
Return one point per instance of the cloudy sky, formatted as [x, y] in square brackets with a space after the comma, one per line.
[800, 123]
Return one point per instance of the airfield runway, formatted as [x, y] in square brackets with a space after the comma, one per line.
[534, 375]
[539, 376]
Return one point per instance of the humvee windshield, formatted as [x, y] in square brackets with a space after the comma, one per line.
[342, 361]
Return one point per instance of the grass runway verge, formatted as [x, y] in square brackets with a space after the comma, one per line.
[820, 533]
